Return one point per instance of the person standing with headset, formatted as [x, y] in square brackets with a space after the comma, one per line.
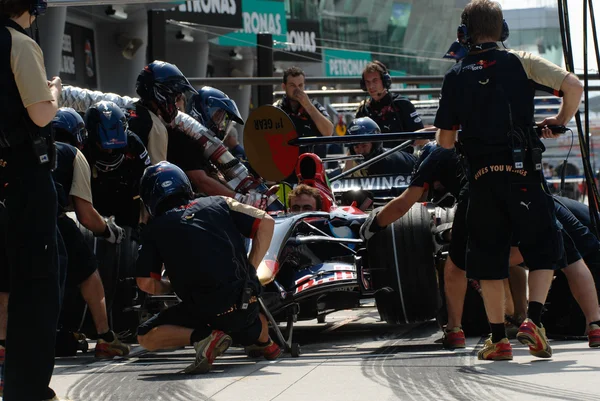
[392, 112]
[29, 103]
[490, 95]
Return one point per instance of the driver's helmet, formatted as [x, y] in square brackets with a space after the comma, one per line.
[310, 171]
[364, 126]
[69, 127]
[214, 109]
[163, 84]
[161, 182]
[107, 135]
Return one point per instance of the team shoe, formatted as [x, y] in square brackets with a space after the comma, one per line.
[207, 351]
[500, 351]
[535, 337]
[594, 336]
[511, 325]
[453, 338]
[108, 350]
[270, 351]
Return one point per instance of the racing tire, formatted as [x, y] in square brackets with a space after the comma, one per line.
[402, 267]
[116, 265]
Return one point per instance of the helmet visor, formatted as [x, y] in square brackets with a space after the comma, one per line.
[227, 105]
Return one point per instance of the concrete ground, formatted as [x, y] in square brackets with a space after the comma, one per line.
[353, 356]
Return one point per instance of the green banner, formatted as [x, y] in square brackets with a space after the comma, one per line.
[343, 63]
[259, 16]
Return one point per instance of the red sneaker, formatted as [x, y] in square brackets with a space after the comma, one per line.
[454, 338]
[594, 336]
[500, 351]
[535, 337]
[208, 350]
[271, 351]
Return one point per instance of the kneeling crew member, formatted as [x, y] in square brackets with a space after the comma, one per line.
[216, 281]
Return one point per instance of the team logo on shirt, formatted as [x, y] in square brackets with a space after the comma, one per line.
[480, 65]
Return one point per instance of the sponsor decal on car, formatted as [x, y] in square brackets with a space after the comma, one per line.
[370, 183]
[329, 274]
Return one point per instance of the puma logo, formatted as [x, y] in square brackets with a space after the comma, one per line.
[484, 82]
[526, 204]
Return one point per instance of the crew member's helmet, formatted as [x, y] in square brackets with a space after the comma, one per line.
[214, 109]
[163, 181]
[364, 126]
[69, 127]
[163, 84]
[426, 150]
[107, 135]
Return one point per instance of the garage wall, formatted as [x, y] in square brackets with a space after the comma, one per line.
[117, 73]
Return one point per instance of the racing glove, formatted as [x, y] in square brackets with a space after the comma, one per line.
[113, 233]
[370, 226]
[257, 199]
[254, 199]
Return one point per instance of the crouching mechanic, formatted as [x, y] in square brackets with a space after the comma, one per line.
[216, 281]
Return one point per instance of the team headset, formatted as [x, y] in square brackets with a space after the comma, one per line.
[386, 78]
[464, 38]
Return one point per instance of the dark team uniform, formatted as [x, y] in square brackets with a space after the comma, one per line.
[32, 248]
[396, 163]
[479, 94]
[441, 173]
[393, 113]
[305, 126]
[116, 192]
[202, 246]
[151, 130]
[171, 144]
[72, 178]
[442, 167]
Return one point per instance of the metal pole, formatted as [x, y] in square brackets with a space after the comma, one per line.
[157, 32]
[264, 58]
[372, 161]
[348, 139]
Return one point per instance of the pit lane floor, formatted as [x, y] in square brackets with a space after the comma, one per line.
[353, 356]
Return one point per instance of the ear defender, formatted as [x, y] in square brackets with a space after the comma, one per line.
[462, 34]
[505, 31]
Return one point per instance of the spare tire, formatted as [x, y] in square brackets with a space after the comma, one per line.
[402, 267]
[116, 265]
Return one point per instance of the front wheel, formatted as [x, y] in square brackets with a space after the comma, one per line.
[403, 269]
